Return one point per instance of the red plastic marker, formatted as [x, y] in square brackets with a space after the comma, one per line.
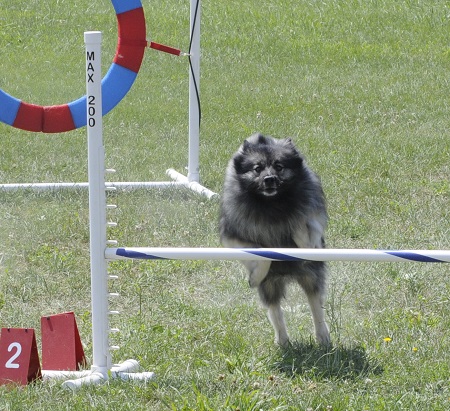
[61, 344]
[19, 358]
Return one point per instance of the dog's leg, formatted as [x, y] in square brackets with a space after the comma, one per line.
[312, 281]
[318, 313]
[271, 291]
[276, 318]
[257, 270]
[311, 235]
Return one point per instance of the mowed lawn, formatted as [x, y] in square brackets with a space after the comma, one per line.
[363, 89]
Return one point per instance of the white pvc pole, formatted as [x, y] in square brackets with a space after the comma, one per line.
[101, 361]
[122, 185]
[192, 185]
[194, 90]
[278, 254]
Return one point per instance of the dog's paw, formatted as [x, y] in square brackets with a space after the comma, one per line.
[323, 335]
[254, 281]
[283, 342]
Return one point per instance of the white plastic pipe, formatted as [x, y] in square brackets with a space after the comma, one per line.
[128, 370]
[123, 185]
[101, 360]
[192, 185]
[92, 379]
[194, 93]
[64, 375]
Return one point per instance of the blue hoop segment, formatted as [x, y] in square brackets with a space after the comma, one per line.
[115, 85]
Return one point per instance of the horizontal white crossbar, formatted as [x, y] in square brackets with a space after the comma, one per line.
[277, 254]
[179, 181]
[127, 185]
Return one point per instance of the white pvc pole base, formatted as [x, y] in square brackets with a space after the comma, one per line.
[64, 375]
[126, 371]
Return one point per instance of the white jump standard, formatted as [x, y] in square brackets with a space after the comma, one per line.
[102, 368]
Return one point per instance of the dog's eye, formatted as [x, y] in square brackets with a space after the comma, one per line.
[257, 169]
[278, 167]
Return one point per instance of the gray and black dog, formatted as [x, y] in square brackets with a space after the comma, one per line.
[271, 199]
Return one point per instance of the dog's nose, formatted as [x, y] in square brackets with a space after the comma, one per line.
[269, 180]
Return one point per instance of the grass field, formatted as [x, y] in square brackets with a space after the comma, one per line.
[363, 89]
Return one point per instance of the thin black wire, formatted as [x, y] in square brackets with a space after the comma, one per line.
[197, 92]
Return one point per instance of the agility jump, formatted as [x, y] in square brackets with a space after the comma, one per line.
[119, 79]
[102, 367]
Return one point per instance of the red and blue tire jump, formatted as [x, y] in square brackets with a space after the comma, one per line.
[115, 85]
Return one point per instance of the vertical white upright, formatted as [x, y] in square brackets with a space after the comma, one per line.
[101, 368]
[194, 93]
[101, 361]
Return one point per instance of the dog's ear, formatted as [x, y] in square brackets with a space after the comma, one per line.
[245, 146]
[262, 139]
[239, 163]
[256, 139]
[287, 142]
[296, 157]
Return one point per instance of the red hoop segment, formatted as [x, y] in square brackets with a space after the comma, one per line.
[132, 40]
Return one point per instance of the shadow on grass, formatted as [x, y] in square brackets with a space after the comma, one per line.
[319, 362]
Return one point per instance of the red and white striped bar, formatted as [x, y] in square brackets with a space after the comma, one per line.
[278, 254]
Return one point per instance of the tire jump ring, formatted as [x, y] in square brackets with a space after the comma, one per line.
[115, 85]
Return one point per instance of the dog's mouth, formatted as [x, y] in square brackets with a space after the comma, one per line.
[270, 186]
[270, 191]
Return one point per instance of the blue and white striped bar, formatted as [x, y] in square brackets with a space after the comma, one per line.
[277, 254]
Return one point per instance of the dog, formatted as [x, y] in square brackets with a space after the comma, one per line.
[272, 199]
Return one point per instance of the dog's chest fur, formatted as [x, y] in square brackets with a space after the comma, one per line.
[266, 223]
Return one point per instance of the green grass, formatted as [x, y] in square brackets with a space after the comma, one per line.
[361, 86]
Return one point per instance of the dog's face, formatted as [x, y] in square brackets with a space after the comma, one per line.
[267, 167]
